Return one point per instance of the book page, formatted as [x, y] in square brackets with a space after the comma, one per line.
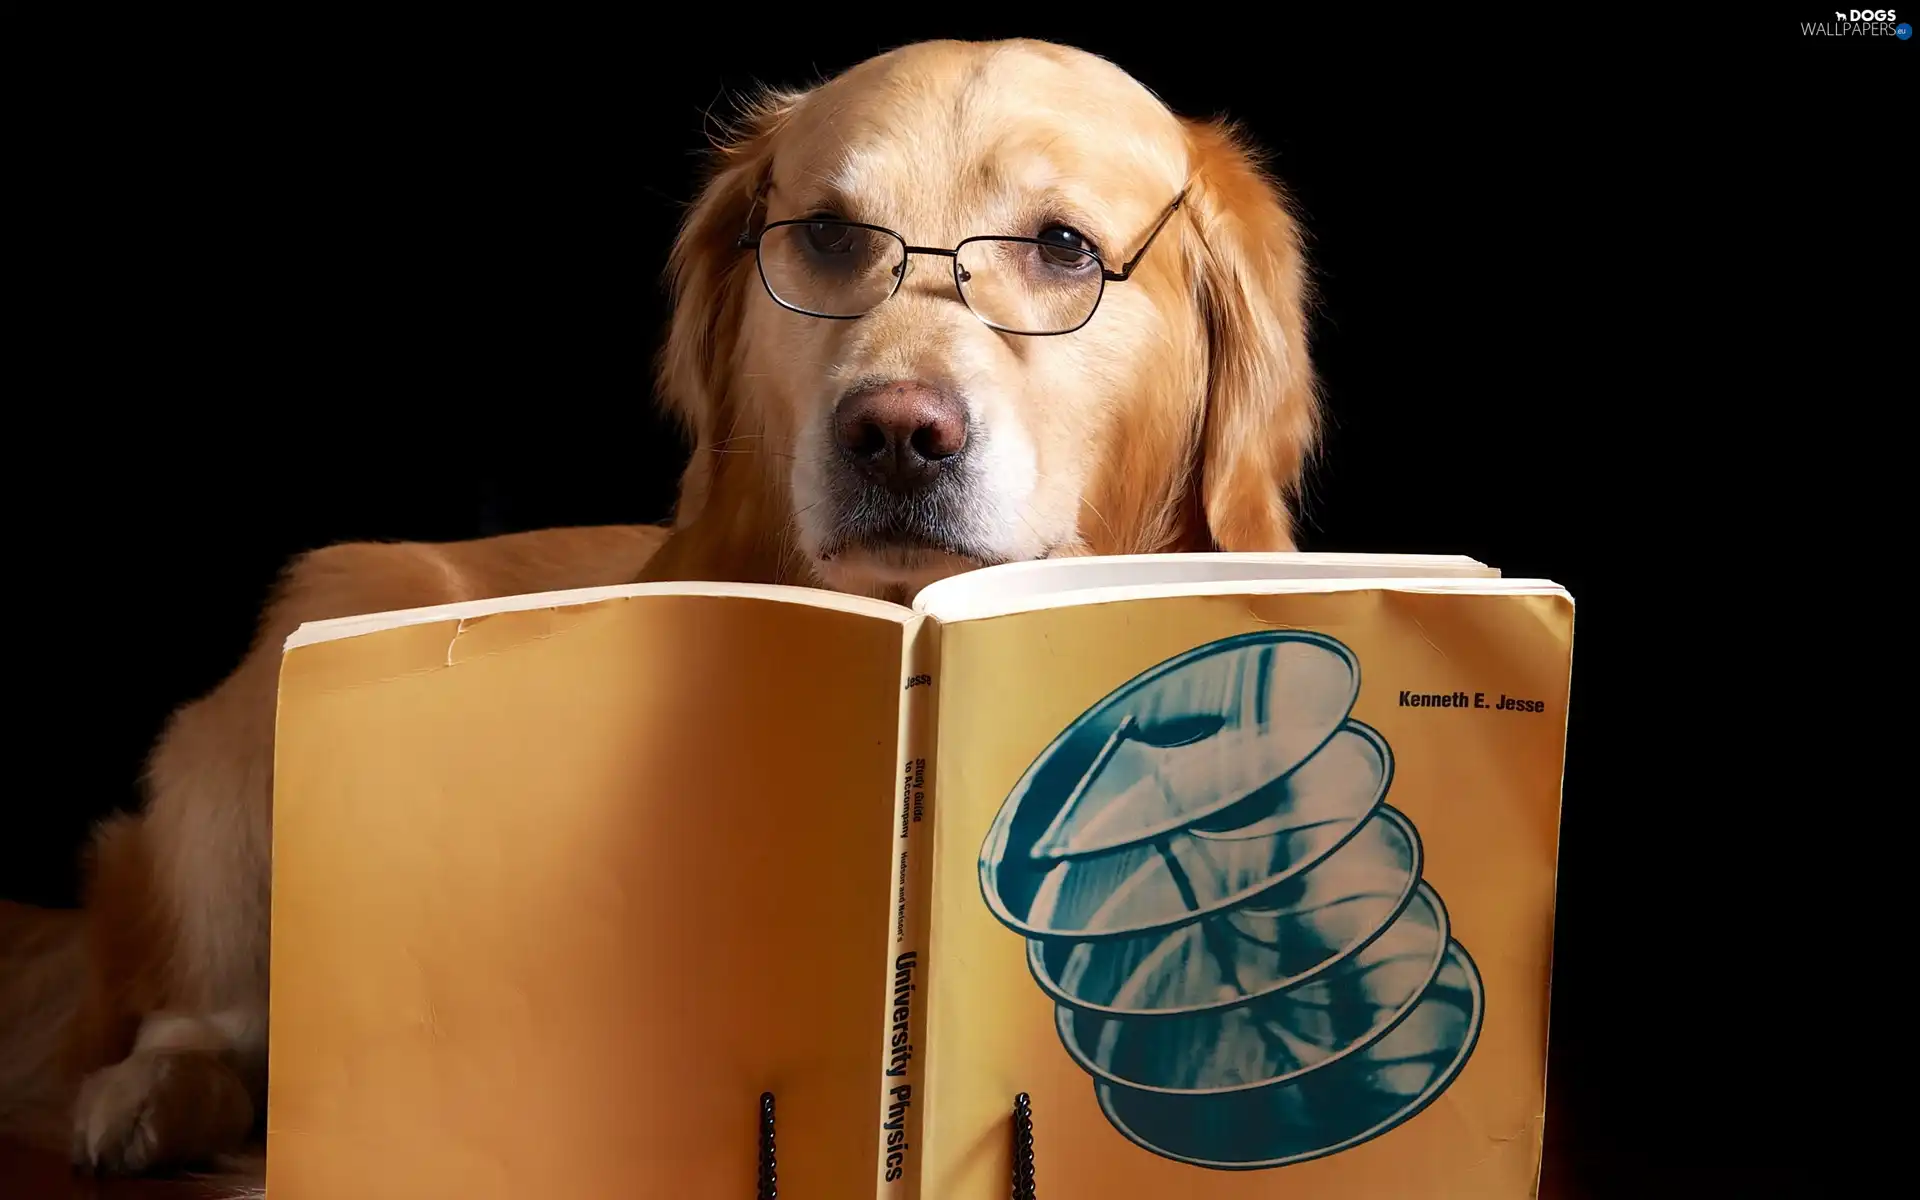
[1016, 587]
[339, 627]
[560, 891]
[1251, 893]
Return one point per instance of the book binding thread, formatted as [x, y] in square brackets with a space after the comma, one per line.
[769, 1188]
[1023, 1187]
[1023, 1183]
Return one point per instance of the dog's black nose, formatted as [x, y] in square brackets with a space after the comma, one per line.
[901, 435]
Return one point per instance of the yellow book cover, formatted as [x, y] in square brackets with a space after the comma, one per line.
[1241, 867]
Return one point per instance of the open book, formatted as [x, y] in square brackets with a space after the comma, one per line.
[1241, 866]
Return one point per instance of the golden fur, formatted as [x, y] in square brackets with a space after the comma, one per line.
[1178, 419]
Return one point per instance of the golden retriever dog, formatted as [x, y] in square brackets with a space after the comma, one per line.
[964, 304]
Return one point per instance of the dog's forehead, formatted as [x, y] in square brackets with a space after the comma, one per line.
[949, 128]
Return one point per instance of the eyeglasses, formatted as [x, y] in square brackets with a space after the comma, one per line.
[843, 270]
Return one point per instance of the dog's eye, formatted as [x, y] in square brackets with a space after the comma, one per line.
[827, 238]
[1067, 248]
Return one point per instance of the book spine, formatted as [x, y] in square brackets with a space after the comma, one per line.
[903, 1065]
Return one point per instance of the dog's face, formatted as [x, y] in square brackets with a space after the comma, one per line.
[1011, 400]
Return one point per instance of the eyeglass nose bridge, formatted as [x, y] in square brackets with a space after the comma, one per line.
[961, 276]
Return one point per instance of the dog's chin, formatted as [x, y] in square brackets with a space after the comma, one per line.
[895, 568]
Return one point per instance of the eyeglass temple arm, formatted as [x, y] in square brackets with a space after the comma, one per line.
[748, 240]
[1125, 271]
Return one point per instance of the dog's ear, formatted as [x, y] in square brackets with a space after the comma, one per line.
[1263, 411]
[707, 275]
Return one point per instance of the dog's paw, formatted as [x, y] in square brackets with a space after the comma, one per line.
[159, 1110]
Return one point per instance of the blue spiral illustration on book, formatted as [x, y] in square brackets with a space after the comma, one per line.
[1227, 914]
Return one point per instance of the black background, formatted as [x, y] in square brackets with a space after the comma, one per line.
[314, 285]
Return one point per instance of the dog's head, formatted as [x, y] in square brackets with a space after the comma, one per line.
[973, 303]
